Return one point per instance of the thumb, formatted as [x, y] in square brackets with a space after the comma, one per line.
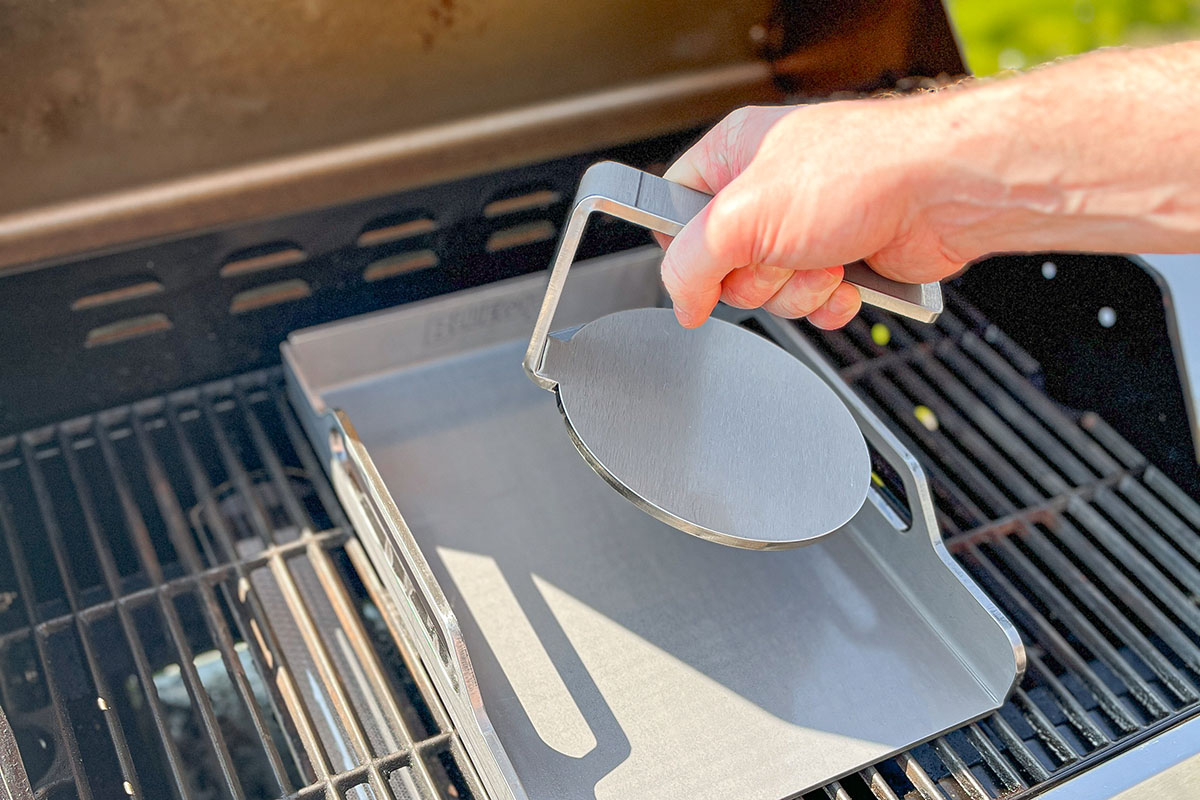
[724, 152]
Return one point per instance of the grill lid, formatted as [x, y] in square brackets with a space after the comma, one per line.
[129, 121]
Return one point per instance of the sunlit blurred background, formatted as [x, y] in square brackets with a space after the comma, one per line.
[1011, 34]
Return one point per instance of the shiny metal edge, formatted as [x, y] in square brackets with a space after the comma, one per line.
[1163, 767]
[664, 516]
[916, 484]
[382, 165]
[14, 783]
[438, 638]
[1183, 324]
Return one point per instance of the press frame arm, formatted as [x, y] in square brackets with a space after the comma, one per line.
[664, 206]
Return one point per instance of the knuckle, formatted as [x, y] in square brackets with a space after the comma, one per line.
[790, 305]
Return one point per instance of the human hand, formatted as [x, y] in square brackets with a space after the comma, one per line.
[800, 191]
[1097, 154]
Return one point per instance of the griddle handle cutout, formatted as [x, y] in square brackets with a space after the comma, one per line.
[664, 206]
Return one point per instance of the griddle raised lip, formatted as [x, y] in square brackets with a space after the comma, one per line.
[433, 628]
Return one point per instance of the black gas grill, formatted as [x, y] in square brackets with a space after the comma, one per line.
[184, 610]
[185, 613]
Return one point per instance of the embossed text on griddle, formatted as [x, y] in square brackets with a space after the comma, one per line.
[472, 321]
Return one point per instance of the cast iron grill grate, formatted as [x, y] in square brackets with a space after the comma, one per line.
[1092, 553]
[184, 613]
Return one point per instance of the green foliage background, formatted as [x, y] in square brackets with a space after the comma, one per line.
[1010, 34]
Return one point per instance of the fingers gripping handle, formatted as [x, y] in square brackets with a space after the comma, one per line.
[673, 206]
[665, 206]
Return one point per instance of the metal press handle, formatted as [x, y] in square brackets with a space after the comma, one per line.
[664, 206]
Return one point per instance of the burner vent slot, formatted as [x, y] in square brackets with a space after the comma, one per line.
[126, 329]
[396, 228]
[134, 289]
[272, 294]
[539, 200]
[399, 264]
[262, 258]
[520, 235]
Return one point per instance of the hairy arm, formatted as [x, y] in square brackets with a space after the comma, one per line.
[1097, 154]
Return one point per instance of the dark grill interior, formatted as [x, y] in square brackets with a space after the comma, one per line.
[184, 613]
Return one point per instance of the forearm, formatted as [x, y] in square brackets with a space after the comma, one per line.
[1098, 154]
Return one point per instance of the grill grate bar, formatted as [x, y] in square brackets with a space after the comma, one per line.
[1158, 547]
[1122, 587]
[992, 758]
[180, 584]
[197, 692]
[221, 636]
[54, 534]
[177, 525]
[1180, 503]
[1021, 755]
[1042, 407]
[308, 460]
[940, 449]
[333, 786]
[926, 378]
[960, 773]
[177, 530]
[199, 697]
[1121, 551]
[925, 787]
[1153, 509]
[61, 717]
[1041, 513]
[835, 791]
[938, 455]
[999, 431]
[383, 600]
[1094, 640]
[291, 696]
[295, 601]
[326, 573]
[112, 578]
[877, 784]
[1081, 721]
[966, 437]
[1013, 414]
[1055, 642]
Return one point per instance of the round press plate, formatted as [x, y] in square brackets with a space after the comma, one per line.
[716, 431]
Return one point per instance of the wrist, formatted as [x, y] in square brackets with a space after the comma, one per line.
[988, 183]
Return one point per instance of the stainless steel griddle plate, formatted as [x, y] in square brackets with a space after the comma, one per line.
[583, 649]
[715, 431]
